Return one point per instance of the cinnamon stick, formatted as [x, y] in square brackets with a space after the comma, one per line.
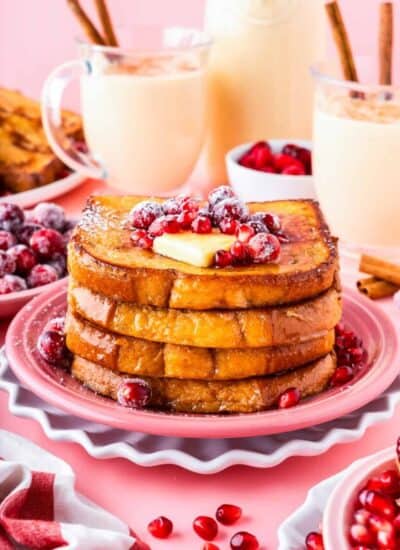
[106, 23]
[341, 40]
[385, 43]
[88, 27]
[381, 269]
[376, 288]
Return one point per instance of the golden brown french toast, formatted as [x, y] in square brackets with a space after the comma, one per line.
[200, 396]
[155, 360]
[214, 328]
[26, 160]
[102, 258]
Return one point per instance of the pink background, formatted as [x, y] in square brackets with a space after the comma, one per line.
[37, 35]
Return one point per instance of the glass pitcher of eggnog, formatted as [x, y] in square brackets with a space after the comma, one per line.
[259, 85]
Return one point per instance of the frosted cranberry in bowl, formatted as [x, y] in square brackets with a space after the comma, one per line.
[271, 170]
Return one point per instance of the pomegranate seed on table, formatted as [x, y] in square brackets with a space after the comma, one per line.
[205, 527]
[239, 251]
[143, 214]
[342, 375]
[12, 283]
[165, 224]
[7, 240]
[229, 226]
[219, 194]
[7, 263]
[223, 258]
[210, 546]
[47, 242]
[244, 233]
[51, 346]
[244, 541]
[161, 527]
[202, 224]
[24, 257]
[380, 505]
[228, 514]
[11, 217]
[134, 393]
[289, 398]
[49, 215]
[360, 534]
[264, 247]
[386, 482]
[314, 541]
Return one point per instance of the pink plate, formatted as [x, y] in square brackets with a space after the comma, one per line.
[60, 389]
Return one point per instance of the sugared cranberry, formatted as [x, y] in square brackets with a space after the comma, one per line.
[7, 240]
[228, 514]
[289, 398]
[360, 534]
[137, 234]
[244, 541]
[41, 274]
[164, 224]
[51, 346]
[244, 233]
[380, 505]
[11, 216]
[161, 527]
[342, 375]
[144, 214]
[210, 546]
[24, 258]
[294, 170]
[134, 393]
[231, 208]
[7, 263]
[202, 224]
[146, 242]
[49, 215]
[239, 251]
[314, 541]
[223, 258]
[205, 527]
[191, 205]
[282, 238]
[57, 324]
[264, 247]
[257, 225]
[47, 242]
[25, 232]
[229, 226]
[386, 482]
[59, 263]
[272, 221]
[171, 207]
[12, 283]
[219, 194]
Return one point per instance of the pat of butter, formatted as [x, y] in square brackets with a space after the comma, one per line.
[192, 248]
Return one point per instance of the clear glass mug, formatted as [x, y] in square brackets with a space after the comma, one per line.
[143, 109]
[356, 152]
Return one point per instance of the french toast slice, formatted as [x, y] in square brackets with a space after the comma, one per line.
[102, 258]
[26, 159]
[155, 360]
[201, 396]
[248, 328]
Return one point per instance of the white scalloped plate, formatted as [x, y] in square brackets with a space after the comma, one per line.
[197, 455]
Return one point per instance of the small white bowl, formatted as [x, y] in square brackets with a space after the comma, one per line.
[255, 186]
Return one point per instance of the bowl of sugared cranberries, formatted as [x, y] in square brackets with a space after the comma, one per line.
[32, 252]
[363, 511]
[271, 170]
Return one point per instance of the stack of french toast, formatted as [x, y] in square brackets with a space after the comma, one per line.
[204, 338]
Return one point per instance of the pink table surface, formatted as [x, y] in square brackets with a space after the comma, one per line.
[138, 494]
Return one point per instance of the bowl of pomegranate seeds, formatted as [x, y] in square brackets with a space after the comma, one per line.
[363, 511]
[271, 170]
[32, 252]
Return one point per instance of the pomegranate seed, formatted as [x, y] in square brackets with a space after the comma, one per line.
[360, 534]
[294, 170]
[145, 242]
[57, 324]
[386, 482]
[137, 234]
[387, 539]
[49, 215]
[264, 248]
[161, 527]
[230, 208]
[134, 392]
[229, 226]
[361, 516]
[7, 263]
[396, 523]
[144, 214]
[223, 258]
[219, 194]
[210, 546]
[47, 242]
[314, 541]
[380, 505]
[205, 527]
[362, 497]
[165, 224]
[342, 375]
[12, 283]
[239, 251]
[7, 240]
[23, 257]
[356, 355]
[379, 524]
[228, 514]
[244, 541]
[289, 398]
[202, 224]
[41, 275]
[51, 346]
[244, 233]
[11, 217]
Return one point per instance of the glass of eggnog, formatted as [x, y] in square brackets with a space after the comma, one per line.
[356, 166]
[143, 108]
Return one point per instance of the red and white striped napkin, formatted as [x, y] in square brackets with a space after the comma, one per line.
[40, 509]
